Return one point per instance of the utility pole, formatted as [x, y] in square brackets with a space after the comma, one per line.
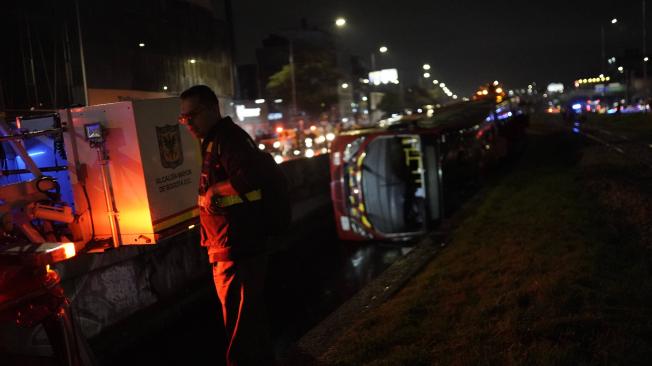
[293, 108]
[81, 54]
[603, 54]
[646, 89]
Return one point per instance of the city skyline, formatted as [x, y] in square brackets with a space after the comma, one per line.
[467, 43]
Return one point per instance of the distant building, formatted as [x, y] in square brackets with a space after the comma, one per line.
[118, 50]
[249, 82]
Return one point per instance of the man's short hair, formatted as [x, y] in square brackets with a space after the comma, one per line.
[205, 95]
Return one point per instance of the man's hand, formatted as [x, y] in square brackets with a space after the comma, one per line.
[220, 189]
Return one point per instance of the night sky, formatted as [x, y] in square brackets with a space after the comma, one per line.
[467, 43]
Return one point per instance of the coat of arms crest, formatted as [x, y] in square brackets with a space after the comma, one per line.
[169, 146]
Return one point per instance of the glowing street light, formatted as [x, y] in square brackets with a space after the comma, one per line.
[614, 21]
[340, 22]
[141, 45]
[192, 61]
[426, 66]
[426, 75]
[381, 49]
[435, 82]
[345, 85]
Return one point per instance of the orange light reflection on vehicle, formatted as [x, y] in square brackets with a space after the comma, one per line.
[135, 220]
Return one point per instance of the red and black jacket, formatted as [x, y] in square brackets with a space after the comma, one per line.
[233, 232]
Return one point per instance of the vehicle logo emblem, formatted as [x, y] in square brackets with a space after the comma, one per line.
[169, 146]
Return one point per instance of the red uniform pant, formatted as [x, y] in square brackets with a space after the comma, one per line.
[239, 286]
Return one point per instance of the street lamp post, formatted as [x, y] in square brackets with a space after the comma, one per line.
[339, 23]
[603, 46]
[293, 83]
[381, 49]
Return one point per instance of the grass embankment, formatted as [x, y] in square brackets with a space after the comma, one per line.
[540, 273]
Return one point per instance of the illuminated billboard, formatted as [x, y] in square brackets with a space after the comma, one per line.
[555, 88]
[386, 76]
[243, 112]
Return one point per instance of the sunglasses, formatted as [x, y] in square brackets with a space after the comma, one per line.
[186, 118]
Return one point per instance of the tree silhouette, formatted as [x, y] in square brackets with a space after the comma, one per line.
[316, 86]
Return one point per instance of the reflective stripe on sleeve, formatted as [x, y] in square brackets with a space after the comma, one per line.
[235, 199]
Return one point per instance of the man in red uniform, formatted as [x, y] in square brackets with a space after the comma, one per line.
[231, 224]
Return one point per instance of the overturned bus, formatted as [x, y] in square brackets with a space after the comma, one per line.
[391, 182]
